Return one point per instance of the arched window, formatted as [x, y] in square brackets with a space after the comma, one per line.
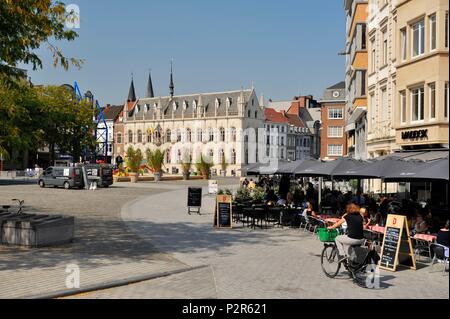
[256, 114]
[119, 138]
[199, 135]
[178, 135]
[249, 113]
[139, 136]
[168, 136]
[130, 136]
[211, 134]
[233, 134]
[149, 136]
[211, 154]
[222, 134]
[188, 135]
[233, 157]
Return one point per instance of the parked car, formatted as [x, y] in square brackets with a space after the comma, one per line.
[101, 173]
[67, 177]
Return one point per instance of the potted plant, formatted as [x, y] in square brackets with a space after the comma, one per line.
[134, 159]
[186, 166]
[204, 167]
[224, 166]
[155, 160]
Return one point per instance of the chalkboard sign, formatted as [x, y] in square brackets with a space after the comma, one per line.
[390, 247]
[194, 199]
[397, 247]
[223, 215]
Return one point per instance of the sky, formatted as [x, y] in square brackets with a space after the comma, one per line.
[285, 47]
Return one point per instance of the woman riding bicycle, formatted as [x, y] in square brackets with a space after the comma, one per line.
[355, 230]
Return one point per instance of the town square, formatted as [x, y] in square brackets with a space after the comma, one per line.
[164, 151]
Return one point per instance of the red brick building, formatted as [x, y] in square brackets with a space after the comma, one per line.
[332, 134]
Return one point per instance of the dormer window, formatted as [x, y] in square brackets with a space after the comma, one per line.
[217, 104]
[194, 104]
[146, 108]
[155, 105]
[175, 106]
[185, 105]
[229, 102]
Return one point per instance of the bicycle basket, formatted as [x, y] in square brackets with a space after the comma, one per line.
[326, 235]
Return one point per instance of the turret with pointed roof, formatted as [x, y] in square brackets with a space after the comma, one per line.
[132, 92]
[171, 85]
[150, 92]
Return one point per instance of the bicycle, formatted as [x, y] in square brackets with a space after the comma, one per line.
[20, 202]
[356, 263]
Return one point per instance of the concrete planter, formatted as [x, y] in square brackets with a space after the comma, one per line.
[157, 176]
[37, 230]
[134, 177]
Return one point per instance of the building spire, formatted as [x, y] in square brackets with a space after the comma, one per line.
[150, 92]
[132, 92]
[171, 85]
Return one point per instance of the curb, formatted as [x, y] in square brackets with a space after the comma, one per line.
[111, 284]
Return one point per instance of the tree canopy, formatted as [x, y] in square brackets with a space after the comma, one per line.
[34, 117]
[25, 25]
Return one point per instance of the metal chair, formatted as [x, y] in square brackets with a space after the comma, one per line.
[421, 246]
[439, 255]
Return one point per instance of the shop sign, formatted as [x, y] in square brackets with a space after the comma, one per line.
[410, 135]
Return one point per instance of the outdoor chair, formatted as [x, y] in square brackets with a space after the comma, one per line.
[421, 247]
[303, 223]
[439, 256]
[315, 224]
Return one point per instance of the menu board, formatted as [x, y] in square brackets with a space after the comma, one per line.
[223, 214]
[390, 247]
[397, 247]
[194, 197]
[194, 200]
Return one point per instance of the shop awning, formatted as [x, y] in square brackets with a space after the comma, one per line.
[428, 171]
[292, 167]
[328, 169]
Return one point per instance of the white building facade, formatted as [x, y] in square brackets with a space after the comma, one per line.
[215, 125]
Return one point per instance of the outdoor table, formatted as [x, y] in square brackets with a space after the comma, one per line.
[332, 220]
[289, 215]
[378, 229]
[275, 212]
[255, 213]
[430, 238]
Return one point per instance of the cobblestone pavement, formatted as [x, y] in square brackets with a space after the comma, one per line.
[104, 248]
[274, 263]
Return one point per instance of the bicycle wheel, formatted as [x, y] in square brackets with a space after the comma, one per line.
[330, 261]
[366, 275]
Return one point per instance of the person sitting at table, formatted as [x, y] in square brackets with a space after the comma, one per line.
[366, 217]
[270, 196]
[420, 225]
[290, 199]
[355, 230]
[309, 210]
[442, 236]
[251, 184]
[281, 201]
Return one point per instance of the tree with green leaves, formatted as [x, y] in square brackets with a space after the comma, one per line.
[67, 123]
[26, 25]
[20, 118]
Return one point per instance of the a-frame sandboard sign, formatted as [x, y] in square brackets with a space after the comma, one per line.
[397, 247]
[223, 214]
